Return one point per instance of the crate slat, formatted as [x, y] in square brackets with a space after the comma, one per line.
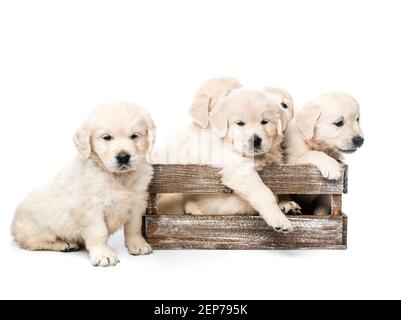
[243, 233]
[281, 179]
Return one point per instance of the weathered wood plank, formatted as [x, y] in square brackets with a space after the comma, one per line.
[243, 233]
[336, 204]
[345, 230]
[281, 179]
[152, 204]
[345, 178]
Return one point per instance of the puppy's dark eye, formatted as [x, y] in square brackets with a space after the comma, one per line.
[134, 136]
[358, 119]
[284, 105]
[107, 137]
[339, 123]
[264, 122]
[240, 123]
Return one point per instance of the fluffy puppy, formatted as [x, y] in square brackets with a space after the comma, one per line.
[287, 106]
[244, 131]
[102, 190]
[320, 134]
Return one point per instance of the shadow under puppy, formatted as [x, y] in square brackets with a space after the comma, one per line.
[102, 190]
[325, 129]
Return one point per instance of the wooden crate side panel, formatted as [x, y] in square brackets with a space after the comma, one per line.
[281, 179]
[345, 231]
[235, 232]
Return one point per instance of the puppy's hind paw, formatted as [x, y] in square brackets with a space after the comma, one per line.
[192, 209]
[72, 247]
[290, 207]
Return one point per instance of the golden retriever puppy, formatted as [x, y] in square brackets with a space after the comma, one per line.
[102, 190]
[196, 204]
[287, 104]
[244, 132]
[320, 134]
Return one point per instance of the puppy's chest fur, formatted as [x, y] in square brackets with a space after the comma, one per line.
[322, 146]
[119, 198]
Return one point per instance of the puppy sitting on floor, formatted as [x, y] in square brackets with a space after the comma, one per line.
[102, 190]
[320, 134]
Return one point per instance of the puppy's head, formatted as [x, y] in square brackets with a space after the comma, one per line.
[249, 120]
[285, 101]
[207, 96]
[332, 120]
[116, 136]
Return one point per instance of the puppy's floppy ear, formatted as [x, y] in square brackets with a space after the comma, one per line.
[151, 132]
[207, 97]
[280, 128]
[82, 141]
[283, 121]
[199, 110]
[219, 119]
[307, 119]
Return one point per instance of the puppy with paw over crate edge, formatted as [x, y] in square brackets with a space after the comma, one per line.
[325, 129]
[102, 190]
[243, 130]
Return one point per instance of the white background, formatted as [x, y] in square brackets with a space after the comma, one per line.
[60, 58]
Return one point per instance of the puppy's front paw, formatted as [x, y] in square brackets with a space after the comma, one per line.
[278, 221]
[290, 207]
[103, 257]
[138, 247]
[330, 169]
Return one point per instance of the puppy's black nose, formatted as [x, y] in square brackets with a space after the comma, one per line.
[358, 141]
[257, 142]
[123, 158]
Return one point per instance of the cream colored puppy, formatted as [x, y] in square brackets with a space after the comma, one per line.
[287, 105]
[321, 133]
[102, 190]
[244, 132]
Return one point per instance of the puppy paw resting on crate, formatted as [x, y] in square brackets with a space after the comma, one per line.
[102, 190]
[320, 134]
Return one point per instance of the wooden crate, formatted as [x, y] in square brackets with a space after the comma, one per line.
[244, 232]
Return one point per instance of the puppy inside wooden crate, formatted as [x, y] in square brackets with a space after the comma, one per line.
[321, 133]
[238, 130]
